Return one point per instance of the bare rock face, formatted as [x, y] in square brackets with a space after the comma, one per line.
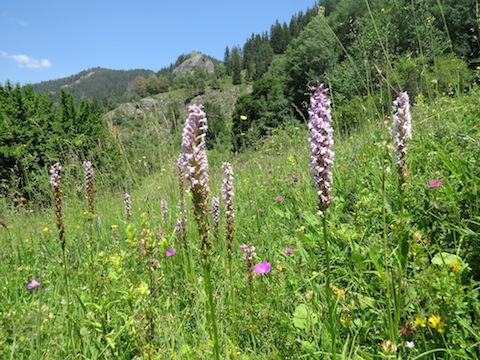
[195, 60]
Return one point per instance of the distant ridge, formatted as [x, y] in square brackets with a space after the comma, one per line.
[95, 83]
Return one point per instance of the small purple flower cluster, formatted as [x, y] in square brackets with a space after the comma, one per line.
[88, 181]
[227, 193]
[402, 124]
[57, 196]
[216, 214]
[128, 207]
[193, 146]
[321, 142]
[196, 165]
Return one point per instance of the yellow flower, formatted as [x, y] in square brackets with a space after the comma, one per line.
[101, 254]
[346, 320]
[339, 292]
[420, 322]
[115, 226]
[46, 229]
[455, 266]
[143, 289]
[441, 327]
[434, 321]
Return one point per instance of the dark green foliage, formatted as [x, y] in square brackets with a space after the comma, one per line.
[218, 130]
[256, 113]
[309, 57]
[235, 65]
[39, 133]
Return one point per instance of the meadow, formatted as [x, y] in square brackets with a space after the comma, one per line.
[390, 271]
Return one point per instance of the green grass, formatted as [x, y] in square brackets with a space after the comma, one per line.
[123, 308]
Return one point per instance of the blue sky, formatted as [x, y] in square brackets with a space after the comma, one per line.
[50, 39]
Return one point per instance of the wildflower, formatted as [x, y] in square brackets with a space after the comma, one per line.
[260, 210]
[128, 206]
[193, 147]
[388, 347]
[33, 284]
[436, 183]
[216, 214]
[170, 252]
[271, 170]
[249, 251]
[227, 193]
[114, 227]
[164, 207]
[346, 320]
[279, 198]
[420, 321]
[337, 291]
[262, 268]
[288, 250]
[143, 289]
[410, 344]
[321, 142]
[455, 266]
[45, 229]
[88, 181]
[434, 321]
[159, 234]
[57, 196]
[402, 123]
[265, 183]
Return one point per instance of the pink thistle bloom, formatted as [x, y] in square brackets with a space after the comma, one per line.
[33, 285]
[261, 210]
[170, 252]
[279, 198]
[262, 268]
[288, 250]
[432, 184]
[265, 183]
[271, 170]
[159, 233]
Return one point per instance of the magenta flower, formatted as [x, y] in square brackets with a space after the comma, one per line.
[262, 268]
[279, 198]
[159, 233]
[170, 252]
[33, 285]
[432, 184]
[288, 250]
[321, 142]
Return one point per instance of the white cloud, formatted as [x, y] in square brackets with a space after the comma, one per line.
[25, 61]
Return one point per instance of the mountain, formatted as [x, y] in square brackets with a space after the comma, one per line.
[95, 83]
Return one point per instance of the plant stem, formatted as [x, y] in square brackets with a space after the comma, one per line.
[211, 306]
[331, 306]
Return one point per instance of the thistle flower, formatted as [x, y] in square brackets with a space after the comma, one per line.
[128, 207]
[402, 123]
[57, 196]
[193, 147]
[88, 181]
[227, 194]
[170, 252]
[216, 214]
[321, 142]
